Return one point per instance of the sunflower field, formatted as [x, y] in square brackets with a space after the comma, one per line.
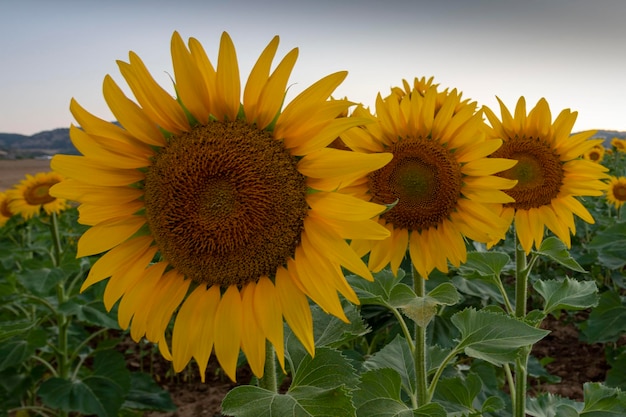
[326, 258]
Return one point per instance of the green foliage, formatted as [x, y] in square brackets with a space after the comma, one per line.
[54, 356]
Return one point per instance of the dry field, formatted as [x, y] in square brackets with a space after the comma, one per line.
[12, 171]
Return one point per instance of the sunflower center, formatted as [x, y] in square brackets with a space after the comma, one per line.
[4, 208]
[594, 156]
[423, 178]
[539, 172]
[619, 192]
[39, 194]
[225, 203]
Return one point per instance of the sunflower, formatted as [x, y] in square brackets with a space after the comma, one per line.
[619, 144]
[440, 183]
[228, 210]
[5, 213]
[550, 172]
[616, 193]
[32, 194]
[595, 154]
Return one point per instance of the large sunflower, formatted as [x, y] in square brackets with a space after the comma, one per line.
[32, 194]
[5, 213]
[551, 172]
[235, 203]
[616, 193]
[440, 182]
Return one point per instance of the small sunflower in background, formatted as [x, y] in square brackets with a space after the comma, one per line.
[619, 144]
[616, 193]
[230, 210]
[5, 213]
[595, 154]
[440, 183]
[551, 173]
[32, 194]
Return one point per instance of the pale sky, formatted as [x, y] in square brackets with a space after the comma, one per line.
[571, 52]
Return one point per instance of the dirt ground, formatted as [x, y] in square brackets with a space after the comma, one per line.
[12, 171]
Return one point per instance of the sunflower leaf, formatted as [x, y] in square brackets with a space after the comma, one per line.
[379, 395]
[319, 388]
[100, 393]
[607, 322]
[556, 250]
[381, 290]
[397, 356]
[251, 401]
[610, 246]
[567, 294]
[493, 337]
[601, 400]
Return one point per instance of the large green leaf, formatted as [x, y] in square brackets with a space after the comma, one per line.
[251, 401]
[379, 395]
[328, 331]
[602, 401]
[609, 244]
[100, 393]
[493, 337]
[397, 356]
[607, 322]
[145, 394]
[16, 350]
[386, 289]
[549, 405]
[485, 266]
[320, 387]
[568, 294]
[556, 250]
[41, 281]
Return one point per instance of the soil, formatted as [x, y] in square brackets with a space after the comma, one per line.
[12, 171]
[575, 362]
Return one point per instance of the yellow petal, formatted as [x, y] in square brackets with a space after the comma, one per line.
[92, 194]
[228, 323]
[322, 294]
[295, 308]
[115, 259]
[94, 214]
[169, 293]
[269, 315]
[92, 172]
[339, 206]
[228, 85]
[252, 335]
[108, 234]
[139, 301]
[330, 163]
[130, 115]
[487, 166]
[157, 104]
[203, 343]
[187, 328]
[190, 84]
[362, 229]
[90, 148]
[126, 277]
[334, 246]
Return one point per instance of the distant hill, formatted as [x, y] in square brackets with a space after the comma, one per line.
[40, 145]
[47, 143]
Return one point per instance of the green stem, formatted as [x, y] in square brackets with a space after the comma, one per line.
[56, 239]
[521, 296]
[268, 381]
[419, 285]
[404, 327]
